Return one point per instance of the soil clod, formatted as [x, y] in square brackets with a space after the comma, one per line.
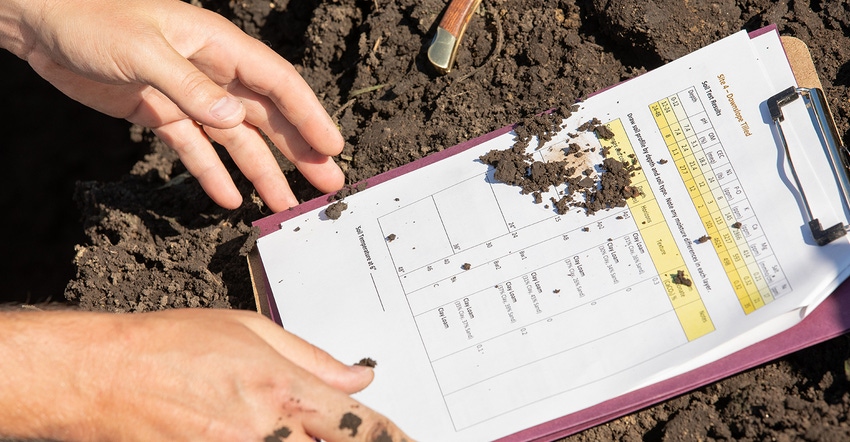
[603, 190]
[681, 279]
[334, 211]
[367, 362]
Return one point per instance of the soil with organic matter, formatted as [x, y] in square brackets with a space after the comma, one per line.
[136, 233]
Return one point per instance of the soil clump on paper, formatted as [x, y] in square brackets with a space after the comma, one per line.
[137, 233]
[335, 210]
[604, 187]
[681, 278]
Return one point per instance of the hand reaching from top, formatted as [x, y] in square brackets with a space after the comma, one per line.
[188, 74]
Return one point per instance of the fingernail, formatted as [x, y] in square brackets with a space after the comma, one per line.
[226, 108]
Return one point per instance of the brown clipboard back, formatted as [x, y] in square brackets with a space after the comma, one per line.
[258, 278]
[801, 62]
[810, 89]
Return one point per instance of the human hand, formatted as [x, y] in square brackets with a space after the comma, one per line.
[193, 374]
[189, 75]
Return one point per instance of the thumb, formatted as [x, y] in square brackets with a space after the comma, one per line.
[192, 91]
[347, 378]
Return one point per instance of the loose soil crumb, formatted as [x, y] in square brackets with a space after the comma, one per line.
[680, 278]
[609, 188]
[367, 362]
[543, 126]
[614, 187]
[348, 191]
[278, 435]
[737, 224]
[604, 132]
[334, 211]
[350, 421]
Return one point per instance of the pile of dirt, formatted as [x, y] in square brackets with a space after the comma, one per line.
[152, 239]
[604, 187]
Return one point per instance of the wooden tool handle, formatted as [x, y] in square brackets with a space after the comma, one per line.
[457, 16]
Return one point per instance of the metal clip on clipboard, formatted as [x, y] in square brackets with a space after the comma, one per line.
[838, 155]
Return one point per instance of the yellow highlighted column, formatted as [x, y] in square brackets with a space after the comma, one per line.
[692, 165]
[662, 248]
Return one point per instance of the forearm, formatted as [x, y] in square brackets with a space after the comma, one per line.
[45, 391]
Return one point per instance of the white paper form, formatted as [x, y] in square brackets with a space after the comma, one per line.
[489, 314]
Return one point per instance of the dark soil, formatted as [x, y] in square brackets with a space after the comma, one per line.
[680, 278]
[603, 190]
[147, 237]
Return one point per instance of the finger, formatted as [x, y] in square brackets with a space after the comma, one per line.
[329, 414]
[251, 153]
[137, 103]
[316, 166]
[355, 422]
[291, 95]
[197, 154]
[155, 110]
[332, 415]
[347, 378]
[189, 88]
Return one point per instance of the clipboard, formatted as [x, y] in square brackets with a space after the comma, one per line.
[810, 90]
[829, 320]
